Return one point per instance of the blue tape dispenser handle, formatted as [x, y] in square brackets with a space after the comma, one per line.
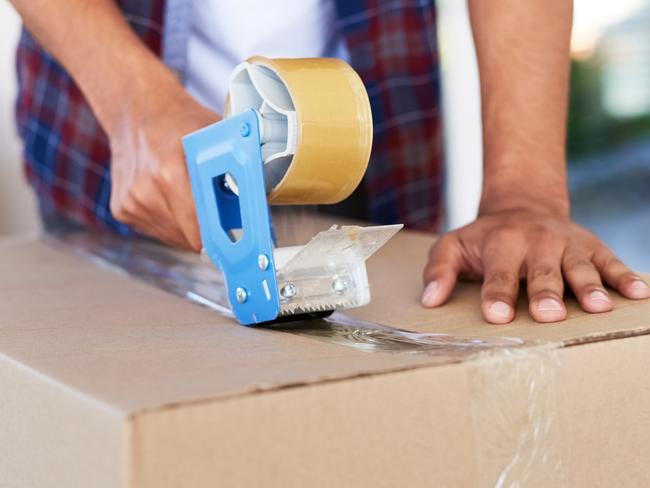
[225, 151]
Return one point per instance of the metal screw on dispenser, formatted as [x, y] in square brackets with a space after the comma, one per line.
[263, 262]
[245, 130]
[241, 294]
[288, 291]
[339, 285]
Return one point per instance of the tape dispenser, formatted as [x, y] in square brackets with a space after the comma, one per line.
[295, 131]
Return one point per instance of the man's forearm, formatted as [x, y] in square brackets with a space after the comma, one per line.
[523, 56]
[95, 44]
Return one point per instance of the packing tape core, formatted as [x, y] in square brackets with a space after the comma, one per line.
[329, 125]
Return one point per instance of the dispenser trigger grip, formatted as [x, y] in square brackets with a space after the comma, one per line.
[235, 226]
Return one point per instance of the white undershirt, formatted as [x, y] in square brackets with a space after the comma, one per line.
[226, 32]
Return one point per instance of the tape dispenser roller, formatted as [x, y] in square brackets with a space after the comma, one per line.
[295, 132]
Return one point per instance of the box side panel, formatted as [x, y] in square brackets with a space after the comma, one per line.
[404, 429]
[457, 425]
[605, 405]
[54, 437]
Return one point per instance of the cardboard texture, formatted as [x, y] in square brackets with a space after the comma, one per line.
[109, 382]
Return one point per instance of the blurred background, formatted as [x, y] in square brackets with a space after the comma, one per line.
[17, 204]
[609, 124]
[609, 121]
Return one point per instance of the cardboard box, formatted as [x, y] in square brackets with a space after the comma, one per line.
[106, 381]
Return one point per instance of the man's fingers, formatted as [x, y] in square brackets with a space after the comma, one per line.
[159, 216]
[584, 279]
[502, 260]
[544, 282]
[620, 277]
[162, 225]
[185, 214]
[145, 218]
[179, 195]
[142, 205]
[441, 272]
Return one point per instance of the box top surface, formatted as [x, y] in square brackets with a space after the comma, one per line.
[133, 347]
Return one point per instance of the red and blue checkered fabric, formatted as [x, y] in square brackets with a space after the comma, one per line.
[392, 45]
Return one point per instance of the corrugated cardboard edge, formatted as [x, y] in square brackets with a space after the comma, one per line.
[610, 336]
[259, 389]
[514, 413]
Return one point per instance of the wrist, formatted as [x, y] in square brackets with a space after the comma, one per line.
[526, 197]
[133, 91]
[534, 183]
[145, 96]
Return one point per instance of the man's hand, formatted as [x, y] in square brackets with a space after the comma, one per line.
[544, 249]
[151, 189]
[143, 108]
[524, 229]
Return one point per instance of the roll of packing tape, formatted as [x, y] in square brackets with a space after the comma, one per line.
[316, 126]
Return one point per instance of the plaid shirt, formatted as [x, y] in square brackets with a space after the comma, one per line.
[392, 46]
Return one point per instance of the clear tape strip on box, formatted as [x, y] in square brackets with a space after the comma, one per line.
[190, 277]
[513, 382]
[514, 409]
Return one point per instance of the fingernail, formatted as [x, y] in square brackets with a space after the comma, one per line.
[430, 294]
[501, 310]
[549, 305]
[599, 296]
[639, 289]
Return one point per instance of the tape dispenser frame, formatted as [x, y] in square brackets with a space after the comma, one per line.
[229, 178]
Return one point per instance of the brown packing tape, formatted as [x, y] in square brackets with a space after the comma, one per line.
[334, 130]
